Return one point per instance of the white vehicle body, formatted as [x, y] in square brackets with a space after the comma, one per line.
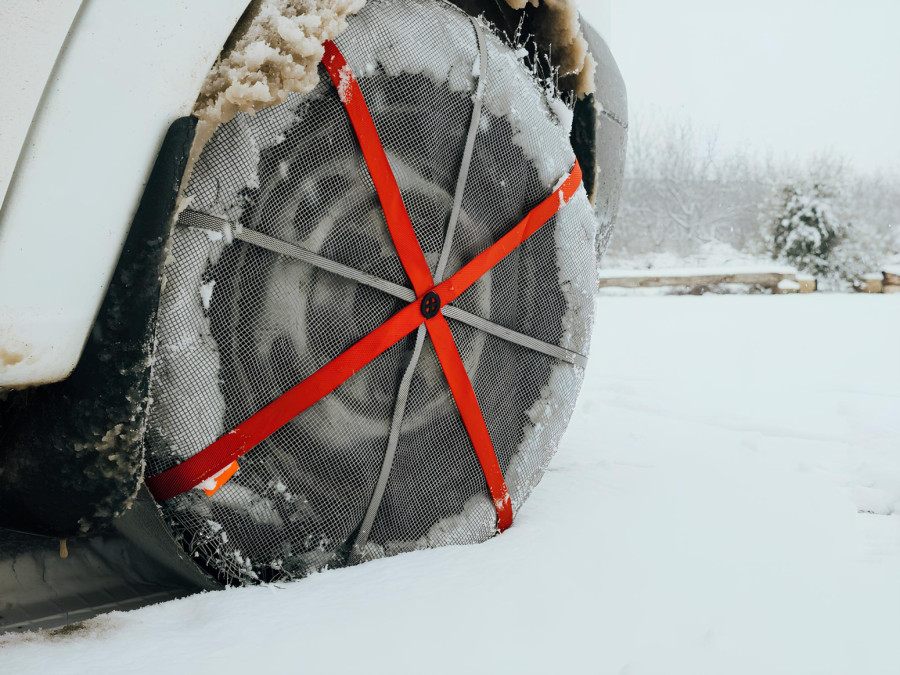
[91, 88]
[95, 99]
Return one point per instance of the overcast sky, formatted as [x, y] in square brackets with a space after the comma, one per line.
[791, 76]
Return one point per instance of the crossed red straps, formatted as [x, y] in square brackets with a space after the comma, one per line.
[425, 309]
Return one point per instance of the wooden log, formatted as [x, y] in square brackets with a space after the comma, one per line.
[765, 279]
[807, 285]
[891, 289]
[891, 279]
[870, 283]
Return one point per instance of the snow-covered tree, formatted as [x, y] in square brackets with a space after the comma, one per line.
[801, 225]
[684, 194]
[804, 224]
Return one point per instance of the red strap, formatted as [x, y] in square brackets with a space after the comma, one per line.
[470, 411]
[282, 410]
[213, 458]
[453, 287]
[395, 213]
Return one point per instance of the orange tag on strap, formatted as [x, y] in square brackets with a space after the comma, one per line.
[212, 484]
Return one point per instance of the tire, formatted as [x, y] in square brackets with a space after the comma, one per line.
[240, 325]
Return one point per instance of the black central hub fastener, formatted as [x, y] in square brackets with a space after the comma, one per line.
[431, 304]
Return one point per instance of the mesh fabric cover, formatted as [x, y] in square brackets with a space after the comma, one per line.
[240, 325]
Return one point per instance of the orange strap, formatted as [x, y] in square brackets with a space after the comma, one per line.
[395, 213]
[282, 410]
[470, 411]
[453, 287]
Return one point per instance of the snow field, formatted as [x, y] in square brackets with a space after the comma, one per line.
[725, 501]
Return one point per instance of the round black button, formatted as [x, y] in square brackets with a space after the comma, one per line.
[431, 304]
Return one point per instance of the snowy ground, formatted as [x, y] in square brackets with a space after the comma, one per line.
[712, 254]
[726, 501]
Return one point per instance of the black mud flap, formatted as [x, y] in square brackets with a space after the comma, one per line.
[71, 453]
[600, 136]
[71, 456]
[600, 122]
[135, 563]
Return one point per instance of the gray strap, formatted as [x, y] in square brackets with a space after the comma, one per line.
[515, 337]
[365, 528]
[189, 218]
[362, 536]
[467, 154]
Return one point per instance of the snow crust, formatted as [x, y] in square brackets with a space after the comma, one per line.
[275, 52]
[788, 285]
[615, 273]
[718, 506]
[538, 118]
[278, 53]
[558, 29]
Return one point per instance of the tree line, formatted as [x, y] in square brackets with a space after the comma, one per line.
[682, 191]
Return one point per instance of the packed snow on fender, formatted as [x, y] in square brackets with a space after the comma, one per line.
[725, 501]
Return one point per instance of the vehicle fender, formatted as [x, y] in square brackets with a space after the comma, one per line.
[125, 71]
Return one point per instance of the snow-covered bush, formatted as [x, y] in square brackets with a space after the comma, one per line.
[801, 226]
[804, 224]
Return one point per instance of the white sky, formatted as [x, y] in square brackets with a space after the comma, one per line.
[791, 76]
